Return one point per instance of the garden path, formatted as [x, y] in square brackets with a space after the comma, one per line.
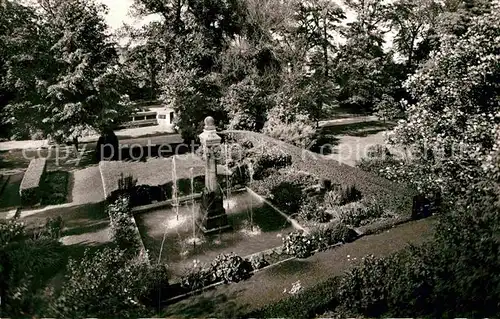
[268, 286]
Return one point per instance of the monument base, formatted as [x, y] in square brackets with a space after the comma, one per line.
[212, 215]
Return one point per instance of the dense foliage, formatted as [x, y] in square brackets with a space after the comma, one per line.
[108, 283]
[63, 69]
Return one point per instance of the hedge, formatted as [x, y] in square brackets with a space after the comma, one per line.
[54, 190]
[29, 190]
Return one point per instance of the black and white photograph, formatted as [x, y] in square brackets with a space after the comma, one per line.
[249, 159]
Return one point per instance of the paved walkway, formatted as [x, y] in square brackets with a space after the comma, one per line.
[228, 301]
[131, 132]
[150, 130]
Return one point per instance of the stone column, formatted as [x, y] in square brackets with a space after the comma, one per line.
[212, 217]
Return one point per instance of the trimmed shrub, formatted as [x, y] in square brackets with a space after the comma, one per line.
[33, 177]
[311, 211]
[123, 228]
[54, 189]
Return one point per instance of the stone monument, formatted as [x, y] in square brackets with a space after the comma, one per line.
[212, 216]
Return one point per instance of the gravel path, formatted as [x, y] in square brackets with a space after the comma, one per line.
[268, 286]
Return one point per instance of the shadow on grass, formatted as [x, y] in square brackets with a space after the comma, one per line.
[356, 128]
[76, 216]
[291, 267]
[207, 305]
[327, 139]
[10, 196]
[89, 227]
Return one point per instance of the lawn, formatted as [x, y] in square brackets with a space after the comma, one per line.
[268, 286]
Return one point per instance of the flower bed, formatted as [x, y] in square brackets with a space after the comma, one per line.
[392, 196]
[33, 177]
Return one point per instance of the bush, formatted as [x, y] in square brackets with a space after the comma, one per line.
[310, 210]
[230, 268]
[288, 196]
[10, 230]
[258, 262]
[299, 245]
[268, 157]
[123, 228]
[53, 228]
[197, 277]
[299, 133]
[333, 234]
[399, 285]
[107, 284]
[359, 213]
[240, 175]
[26, 267]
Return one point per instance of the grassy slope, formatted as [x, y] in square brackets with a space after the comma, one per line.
[267, 287]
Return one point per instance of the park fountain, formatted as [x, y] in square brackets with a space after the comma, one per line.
[212, 217]
[198, 228]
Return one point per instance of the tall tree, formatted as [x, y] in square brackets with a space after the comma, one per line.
[361, 62]
[24, 59]
[74, 91]
[413, 22]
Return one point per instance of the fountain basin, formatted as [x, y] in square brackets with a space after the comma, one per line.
[255, 226]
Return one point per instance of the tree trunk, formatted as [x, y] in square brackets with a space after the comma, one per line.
[75, 143]
[325, 48]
